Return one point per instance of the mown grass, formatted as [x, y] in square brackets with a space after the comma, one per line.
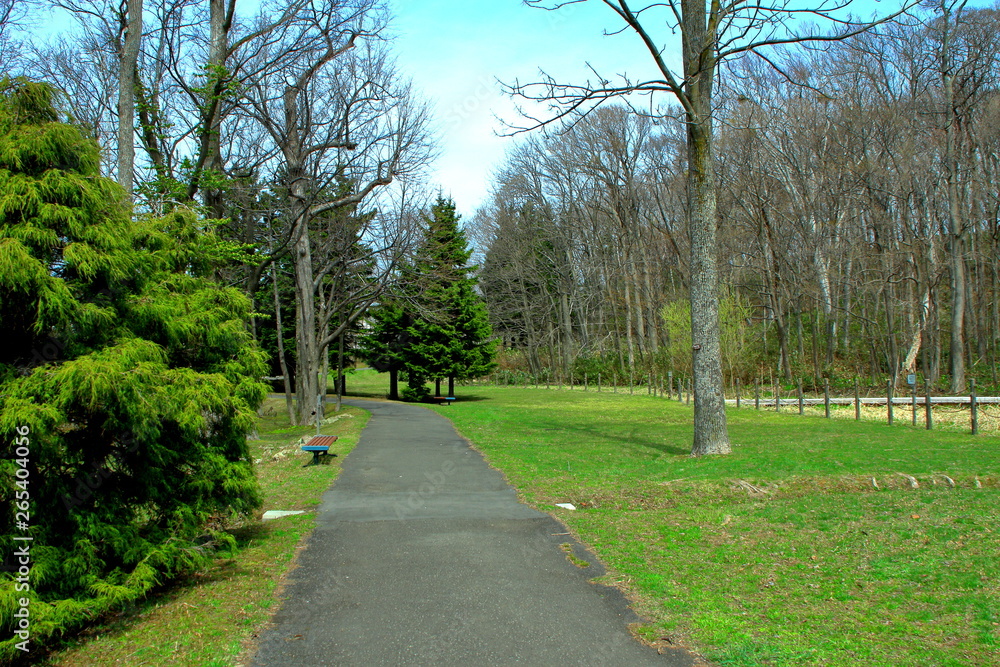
[807, 546]
[783, 553]
[208, 620]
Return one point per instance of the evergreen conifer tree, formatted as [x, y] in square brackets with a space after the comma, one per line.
[128, 381]
[452, 337]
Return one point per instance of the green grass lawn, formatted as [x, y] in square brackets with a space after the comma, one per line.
[807, 546]
[209, 619]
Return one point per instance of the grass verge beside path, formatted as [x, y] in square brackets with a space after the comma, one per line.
[809, 545]
[208, 620]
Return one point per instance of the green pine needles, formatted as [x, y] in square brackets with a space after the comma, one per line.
[439, 327]
[130, 370]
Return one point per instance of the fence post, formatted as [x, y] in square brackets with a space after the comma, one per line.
[737, 392]
[777, 397]
[756, 394]
[888, 399]
[598, 383]
[930, 416]
[826, 396]
[801, 401]
[973, 407]
[914, 402]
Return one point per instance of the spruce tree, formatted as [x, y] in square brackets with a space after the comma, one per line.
[128, 381]
[451, 338]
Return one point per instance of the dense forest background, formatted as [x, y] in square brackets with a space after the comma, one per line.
[858, 189]
[859, 220]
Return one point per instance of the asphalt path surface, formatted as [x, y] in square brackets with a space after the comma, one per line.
[422, 555]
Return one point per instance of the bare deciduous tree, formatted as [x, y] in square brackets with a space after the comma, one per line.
[710, 34]
[342, 125]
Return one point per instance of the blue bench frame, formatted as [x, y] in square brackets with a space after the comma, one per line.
[443, 399]
[319, 446]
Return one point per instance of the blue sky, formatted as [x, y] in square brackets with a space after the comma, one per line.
[456, 50]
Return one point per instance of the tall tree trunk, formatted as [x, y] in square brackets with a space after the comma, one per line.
[281, 350]
[711, 435]
[306, 334]
[307, 354]
[956, 212]
[772, 278]
[567, 332]
[710, 431]
[340, 371]
[628, 323]
[220, 21]
[126, 94]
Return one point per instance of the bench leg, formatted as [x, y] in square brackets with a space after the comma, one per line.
[315, 461]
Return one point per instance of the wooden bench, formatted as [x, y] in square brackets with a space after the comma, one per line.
[443, 399]
[319, 446]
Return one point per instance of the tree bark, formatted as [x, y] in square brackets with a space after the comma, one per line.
[126, 94]
[281, 351]
[710, 431]
[393, 384]
[951, 14]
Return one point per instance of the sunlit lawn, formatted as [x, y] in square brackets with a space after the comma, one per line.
[808, 545]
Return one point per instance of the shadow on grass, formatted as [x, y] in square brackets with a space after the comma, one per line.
[382, 396]
[467, 398]
[121, 621]
[633, 439]
[596, 435]
[356, 393]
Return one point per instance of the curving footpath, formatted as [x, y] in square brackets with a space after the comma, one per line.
[422, 555]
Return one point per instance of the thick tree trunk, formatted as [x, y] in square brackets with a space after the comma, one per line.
[699, 43]
[307, 354]
[710, 431]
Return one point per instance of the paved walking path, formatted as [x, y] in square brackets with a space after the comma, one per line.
[422, 555]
